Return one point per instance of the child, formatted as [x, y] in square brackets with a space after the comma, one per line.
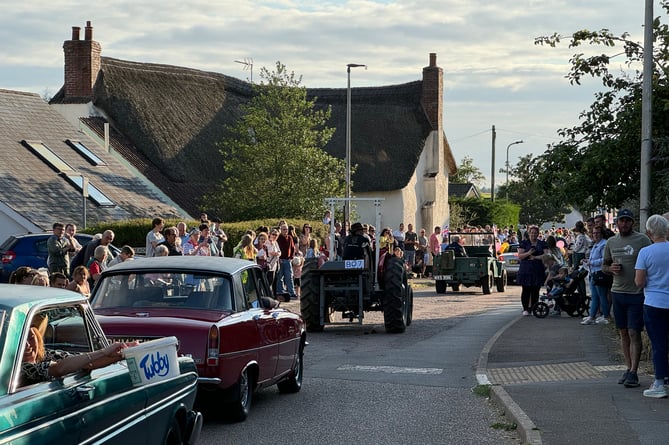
[127, 253]
[560, 281]
[297, 262]
[312, 250]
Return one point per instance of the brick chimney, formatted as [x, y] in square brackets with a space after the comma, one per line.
[82, 63]
[433, 92]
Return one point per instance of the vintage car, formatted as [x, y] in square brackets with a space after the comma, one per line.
[94, 406]
[511, 262]
[222, 313]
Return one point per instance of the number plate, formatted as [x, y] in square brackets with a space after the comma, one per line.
[443, 277]
[354, 264]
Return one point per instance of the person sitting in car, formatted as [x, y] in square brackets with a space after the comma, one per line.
[457, 246]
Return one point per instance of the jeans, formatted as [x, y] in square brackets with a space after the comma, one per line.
[657, 325]
[599, 300]
[284, 279]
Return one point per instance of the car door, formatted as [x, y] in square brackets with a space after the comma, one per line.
[265, 323]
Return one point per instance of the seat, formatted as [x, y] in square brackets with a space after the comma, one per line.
[199, 299]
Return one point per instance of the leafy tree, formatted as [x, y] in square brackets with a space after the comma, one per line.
[274, 162]
[468, 172]
[598, 161]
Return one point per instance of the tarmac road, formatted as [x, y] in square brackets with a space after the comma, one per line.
[364, 386]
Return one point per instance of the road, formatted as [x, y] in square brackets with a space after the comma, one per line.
[364, 386]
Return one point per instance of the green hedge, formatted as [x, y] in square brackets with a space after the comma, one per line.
[133, 232]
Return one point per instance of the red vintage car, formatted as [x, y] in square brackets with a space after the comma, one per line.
[222, 313]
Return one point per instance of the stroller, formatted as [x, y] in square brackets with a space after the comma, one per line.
[568, 299]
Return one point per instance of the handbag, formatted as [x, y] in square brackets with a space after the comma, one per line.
[602, 280]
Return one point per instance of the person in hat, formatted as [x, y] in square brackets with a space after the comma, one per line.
[620, 255]
[356, 245]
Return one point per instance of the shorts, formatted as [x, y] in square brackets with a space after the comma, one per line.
[410, 257]
[297, 282]
[628, 310]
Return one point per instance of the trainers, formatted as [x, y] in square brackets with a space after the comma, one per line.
[632, 380]
[588, 320]
[585, 318]
[655, 391]
[602, 320]
[622, 379]
[525, 313]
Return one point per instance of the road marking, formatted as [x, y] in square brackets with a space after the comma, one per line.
[391, 369]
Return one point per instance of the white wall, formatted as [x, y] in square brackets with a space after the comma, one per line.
[11, 223]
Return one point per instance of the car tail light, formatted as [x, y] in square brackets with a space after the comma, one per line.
[8, 256]
[213, 345]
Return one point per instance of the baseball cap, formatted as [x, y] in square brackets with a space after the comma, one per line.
[625, 213]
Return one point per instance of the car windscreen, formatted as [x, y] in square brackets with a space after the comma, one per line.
[160, 289]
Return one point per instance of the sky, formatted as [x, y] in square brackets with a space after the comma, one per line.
[494, 74]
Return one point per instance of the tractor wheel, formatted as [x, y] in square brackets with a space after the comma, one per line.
[487, 283]
[395, 295]
[409, 308]
[501, 282]
[440, 286]
[310, 305]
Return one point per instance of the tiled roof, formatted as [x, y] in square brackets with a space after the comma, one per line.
[462, 190]
[34, 190]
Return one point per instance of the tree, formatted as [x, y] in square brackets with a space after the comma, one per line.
[468, 173]
[597, 163]
[274, 162]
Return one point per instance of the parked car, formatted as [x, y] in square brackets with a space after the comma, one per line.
[222, 313]
[93, 406]
[512, 264]
[30, 250]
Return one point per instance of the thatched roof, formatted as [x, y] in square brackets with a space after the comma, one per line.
[176, 117]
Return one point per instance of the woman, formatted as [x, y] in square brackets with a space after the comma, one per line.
[551, 242]
[23, 275]
[305, 237]
[79, 281]
[652, 274]
[599, 300]
[582, 243]
[43, 365]
[99, 262]
[261, 254]
[273, 254]
[531, 273]
[386, 240]
[246, 250]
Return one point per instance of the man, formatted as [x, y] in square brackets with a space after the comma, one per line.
[410, 241]
[423, 251]
[106, 239]
[171, 242]
[435, 242]
[70, 232]
[620, 256]
[183, 234]
[59, 280]
[154, 237]
[285, 287]
[600, 221]
[357, 245]
[398, 234]
[219, 234]
[58, 248]
[457, 245]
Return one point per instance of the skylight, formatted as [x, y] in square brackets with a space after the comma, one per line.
[94, 193]
[84, 151]
[50, 158]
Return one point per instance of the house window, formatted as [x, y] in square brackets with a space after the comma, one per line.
[94, 193]
[47, 156]
[85, 152]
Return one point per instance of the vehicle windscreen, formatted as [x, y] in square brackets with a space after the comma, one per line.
[164, 290]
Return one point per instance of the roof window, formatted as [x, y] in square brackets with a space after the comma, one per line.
[85, 152]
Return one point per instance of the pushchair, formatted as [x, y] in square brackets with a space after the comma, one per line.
[569, 299]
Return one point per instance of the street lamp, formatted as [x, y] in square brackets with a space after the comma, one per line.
[347, 203]
[507, 165]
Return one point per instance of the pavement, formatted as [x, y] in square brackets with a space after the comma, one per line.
[557, 380]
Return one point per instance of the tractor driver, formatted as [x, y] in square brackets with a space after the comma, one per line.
[356, 245]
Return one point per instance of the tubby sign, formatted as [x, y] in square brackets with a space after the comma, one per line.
[152, 361]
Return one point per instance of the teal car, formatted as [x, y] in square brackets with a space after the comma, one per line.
[93, 406]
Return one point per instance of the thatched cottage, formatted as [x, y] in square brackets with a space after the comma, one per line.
[166, 122]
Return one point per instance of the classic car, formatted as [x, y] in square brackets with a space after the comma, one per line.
[93, 406]
[222, 313]
[512, 264]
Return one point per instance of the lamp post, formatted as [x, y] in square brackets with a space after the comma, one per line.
[347, 203]
[507, 165]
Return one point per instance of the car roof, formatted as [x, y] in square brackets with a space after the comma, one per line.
[181, 263]
[13, 295]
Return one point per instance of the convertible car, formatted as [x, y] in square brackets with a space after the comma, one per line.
[222, 313]
[94, 406]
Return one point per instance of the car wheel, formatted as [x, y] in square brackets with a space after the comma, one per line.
[310, 304]
[440, 286]
[501, 282]
[294, 382]
[456, 287]
[395, 295]
[486, 285]
[174, 434]
[241, 407]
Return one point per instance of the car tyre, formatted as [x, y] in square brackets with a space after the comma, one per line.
[456, 287]
[310, 305]
[241, 407]
[174, 435]
[501, 282]
[486, 285]
[440, 286]
[294, 383]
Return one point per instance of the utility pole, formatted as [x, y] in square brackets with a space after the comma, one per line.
[492, 172]
[646, 117]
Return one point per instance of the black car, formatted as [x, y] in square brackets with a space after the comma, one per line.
[30, 250]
